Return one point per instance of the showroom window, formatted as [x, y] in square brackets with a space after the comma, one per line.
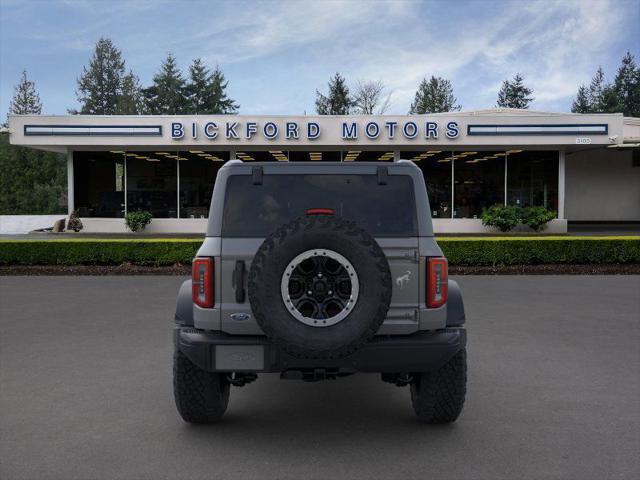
[197, 172]
[152, 184]
[532, 178]
[478, 182]
[436, 166]
[99, 184]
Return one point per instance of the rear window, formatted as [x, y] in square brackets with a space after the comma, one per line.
[257, 210]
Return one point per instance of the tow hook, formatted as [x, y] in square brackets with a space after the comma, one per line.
[241, 379]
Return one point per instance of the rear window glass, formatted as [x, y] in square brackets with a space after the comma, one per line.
[257, 210]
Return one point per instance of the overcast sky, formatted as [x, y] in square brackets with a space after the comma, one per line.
[275, 54]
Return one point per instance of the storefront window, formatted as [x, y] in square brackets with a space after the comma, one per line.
[314, 156]
[99, 184]
[197, 174]
[478, 182]
[436, 169]
[152, 184]
[367, 156]
[532, 178]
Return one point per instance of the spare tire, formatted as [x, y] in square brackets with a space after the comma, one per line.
[320, 287]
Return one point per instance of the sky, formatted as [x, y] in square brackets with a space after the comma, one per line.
[275, 54]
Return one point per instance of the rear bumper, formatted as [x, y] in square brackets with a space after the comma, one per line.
[220, 352]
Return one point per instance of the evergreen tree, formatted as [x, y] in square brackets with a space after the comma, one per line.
[25, 99]
[206, 92]
[596, 91]
[627, 86]
[433, 96]
[130, 101]
[167, 95]
[514, 94]
[338, 101]
[100, 85]
[581, 104]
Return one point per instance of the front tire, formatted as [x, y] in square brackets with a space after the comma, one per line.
[201, 396]
[438, 397]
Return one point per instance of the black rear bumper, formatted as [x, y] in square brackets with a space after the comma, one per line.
[420, 352]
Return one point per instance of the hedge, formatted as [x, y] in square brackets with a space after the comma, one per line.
[459, 251]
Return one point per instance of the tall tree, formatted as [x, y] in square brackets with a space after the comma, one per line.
[433, 96]
[371, 98]
[100, 84]
[337, 101]
[130, 101]
[514, 93]
[25, 99]
[597, 88]
[581, 104]
[627, 86]
[206, 92]
[167, 95]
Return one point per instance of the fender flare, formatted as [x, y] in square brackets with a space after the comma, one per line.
[184, 305]
[455, 305]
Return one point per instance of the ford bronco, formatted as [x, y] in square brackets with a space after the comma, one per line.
[315, 271]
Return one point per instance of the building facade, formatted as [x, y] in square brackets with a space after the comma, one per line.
[583, 167]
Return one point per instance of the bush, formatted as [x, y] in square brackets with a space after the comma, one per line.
[537, 217]
[137, 220]
[459, 251]
[74, 223]
[504, 218]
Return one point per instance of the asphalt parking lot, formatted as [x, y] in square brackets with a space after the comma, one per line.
[554, 392]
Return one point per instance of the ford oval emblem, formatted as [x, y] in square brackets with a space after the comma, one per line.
[240, 317]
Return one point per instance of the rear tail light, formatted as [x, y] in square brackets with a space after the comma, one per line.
[320, 211]
[437, 282]
[202, 282]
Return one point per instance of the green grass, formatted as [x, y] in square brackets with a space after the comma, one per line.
[459, 250]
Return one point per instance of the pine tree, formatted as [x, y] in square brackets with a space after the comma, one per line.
[99, 86]
[514, 94]
[25, 99]
[627, 86]
[167, 95]
[206, 92]
[433, 96]
[596, 91]
[130, 101]
[581, 104]
[338, 101]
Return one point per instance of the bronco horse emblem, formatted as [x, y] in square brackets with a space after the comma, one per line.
[402, 280]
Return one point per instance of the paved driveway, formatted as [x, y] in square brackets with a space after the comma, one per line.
[85, 392]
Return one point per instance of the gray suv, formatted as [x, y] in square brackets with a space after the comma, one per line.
[317, 271]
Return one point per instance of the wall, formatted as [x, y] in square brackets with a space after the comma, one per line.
[602, 185]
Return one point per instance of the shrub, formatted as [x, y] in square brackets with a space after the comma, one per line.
[536, 217]
[503, 217]
[137, 220]
[74, 223]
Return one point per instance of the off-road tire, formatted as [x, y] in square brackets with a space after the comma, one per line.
[315, 232]
[438, 396]
[201, 396]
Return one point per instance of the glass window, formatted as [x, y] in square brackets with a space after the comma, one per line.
[198, 172]
[367, 156]
[263, 156]
[478, 182]
[257, 210]
[99, 184]
[436, 169]
[152, 183]
[532, 178]
[316, 155]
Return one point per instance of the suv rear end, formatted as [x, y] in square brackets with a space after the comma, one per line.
[242, 315]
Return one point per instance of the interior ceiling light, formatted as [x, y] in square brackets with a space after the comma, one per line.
[163, 153]
[141, 157]
[444, 160]
[500, 154]
[116, 151]
[152, 160]
[434, 151]
[514, 151]
[131, 154]
[196, 151]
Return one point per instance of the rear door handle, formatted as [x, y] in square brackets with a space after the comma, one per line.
[238, 281]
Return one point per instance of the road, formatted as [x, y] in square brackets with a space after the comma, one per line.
[554, 392]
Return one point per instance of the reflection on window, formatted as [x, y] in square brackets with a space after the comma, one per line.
[478, 182]
[436, 169]
[367, 156]
[152, 183]
[198, 172]
[99, 184]
[532, 179]
[314, 156]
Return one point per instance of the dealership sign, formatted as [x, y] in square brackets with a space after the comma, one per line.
[293, 130]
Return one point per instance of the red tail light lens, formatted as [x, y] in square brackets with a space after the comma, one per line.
[320, 211]
[437, 282]
[202, 282]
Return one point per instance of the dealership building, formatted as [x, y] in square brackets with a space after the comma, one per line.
[586, 168]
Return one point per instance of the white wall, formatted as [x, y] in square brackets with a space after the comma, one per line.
[602, 185]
